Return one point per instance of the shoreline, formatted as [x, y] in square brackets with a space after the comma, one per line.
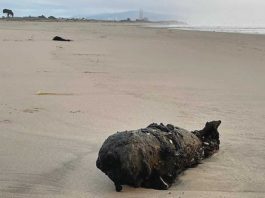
[255, 30]
[170, 25]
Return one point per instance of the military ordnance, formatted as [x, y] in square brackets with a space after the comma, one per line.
[154, 156]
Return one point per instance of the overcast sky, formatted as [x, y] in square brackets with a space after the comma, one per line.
[201, 12]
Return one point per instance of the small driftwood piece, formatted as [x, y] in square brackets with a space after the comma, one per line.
[154, 156]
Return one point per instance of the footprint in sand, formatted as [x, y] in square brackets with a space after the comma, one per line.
[93, 72]
[5, 121]
[90, 57]
[41, 93]
[78, 111]
[33, 110]
[44, 71]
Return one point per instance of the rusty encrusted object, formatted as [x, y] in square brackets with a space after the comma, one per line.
[154, 156]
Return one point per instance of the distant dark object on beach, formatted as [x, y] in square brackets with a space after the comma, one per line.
[8, 12]
[154, 156]
[57, 38]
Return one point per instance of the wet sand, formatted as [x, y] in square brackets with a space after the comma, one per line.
[59, 101]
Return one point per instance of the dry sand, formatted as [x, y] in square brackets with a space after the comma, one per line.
[59, 101]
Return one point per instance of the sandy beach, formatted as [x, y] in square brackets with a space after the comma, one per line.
[60, 100]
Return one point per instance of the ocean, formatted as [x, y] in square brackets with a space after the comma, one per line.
[229, 29]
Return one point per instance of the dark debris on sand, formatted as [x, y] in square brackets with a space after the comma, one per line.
[58, 38]
[154, 156]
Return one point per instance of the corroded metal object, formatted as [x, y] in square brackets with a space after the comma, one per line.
[154, 156]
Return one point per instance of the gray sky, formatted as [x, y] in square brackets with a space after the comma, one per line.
[200, 12]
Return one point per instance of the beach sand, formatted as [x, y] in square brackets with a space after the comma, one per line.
[60, 100]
